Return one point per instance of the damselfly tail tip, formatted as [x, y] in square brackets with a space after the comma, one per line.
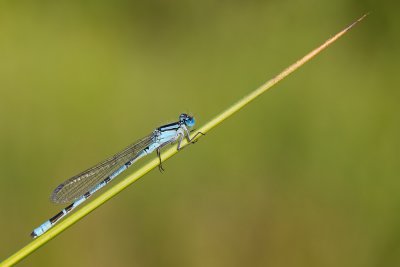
[34, 235]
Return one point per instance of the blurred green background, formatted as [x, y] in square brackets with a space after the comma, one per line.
[307, 175]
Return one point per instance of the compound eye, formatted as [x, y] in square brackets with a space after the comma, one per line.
[190, 121]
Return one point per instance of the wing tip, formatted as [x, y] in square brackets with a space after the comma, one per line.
[54, 197]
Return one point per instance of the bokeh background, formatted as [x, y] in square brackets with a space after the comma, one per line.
[307, 175]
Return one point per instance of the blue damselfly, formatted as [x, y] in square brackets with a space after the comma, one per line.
[80, 187]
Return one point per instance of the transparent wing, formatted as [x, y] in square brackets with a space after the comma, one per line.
[81, 183]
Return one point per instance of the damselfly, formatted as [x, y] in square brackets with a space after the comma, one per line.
[80, 187]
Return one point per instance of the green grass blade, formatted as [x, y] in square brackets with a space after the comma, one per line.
[114, 190]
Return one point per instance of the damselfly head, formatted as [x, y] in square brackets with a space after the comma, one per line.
[187, 120]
